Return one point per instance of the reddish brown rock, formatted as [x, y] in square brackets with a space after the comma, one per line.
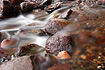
[59, 42]
[55, 25]
[33, 62]
[22, 63]
[8, 43]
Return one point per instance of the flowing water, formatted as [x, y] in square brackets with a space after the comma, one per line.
[12, 27]
[24, 28]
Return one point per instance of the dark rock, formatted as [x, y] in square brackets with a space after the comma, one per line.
[103, 53]
[34, 4]
[16, 2]
[9, 10]
[46, 2]
[0, 36]
[29, 49]
[26, 7]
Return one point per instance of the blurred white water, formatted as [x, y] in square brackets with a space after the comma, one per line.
[19, 21]
[12, 28]
[22, 21]
[15, 25]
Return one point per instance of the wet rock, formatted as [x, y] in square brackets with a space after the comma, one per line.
[43, 61]
[66, 14]
[59, 42]
[53, 7]
[26, 7]
[55, 25]
[33, 62]
[63, 55]
[22, 63]
[45, 3]
[41, 32]
[29, 49]
[9, 43]
[16, 2]
[9, 10]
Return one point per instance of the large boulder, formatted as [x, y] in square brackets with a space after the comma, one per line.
[22, 63]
